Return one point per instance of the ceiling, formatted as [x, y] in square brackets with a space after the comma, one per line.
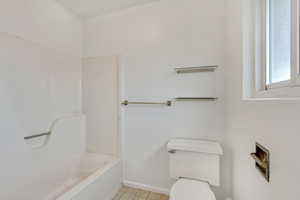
[91, 8]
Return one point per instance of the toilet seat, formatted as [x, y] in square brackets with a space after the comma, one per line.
[185, 189]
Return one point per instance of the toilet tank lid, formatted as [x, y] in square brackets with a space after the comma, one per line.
[198, 146]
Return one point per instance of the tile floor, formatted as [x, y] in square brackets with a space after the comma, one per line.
[127, 193]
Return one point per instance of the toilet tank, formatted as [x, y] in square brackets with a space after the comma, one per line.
[195, 159]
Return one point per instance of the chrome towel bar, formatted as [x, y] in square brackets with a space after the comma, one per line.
[37, 135]
[126, 103]
[169, 103]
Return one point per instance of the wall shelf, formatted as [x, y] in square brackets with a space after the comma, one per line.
[196, 98]
[181, 70]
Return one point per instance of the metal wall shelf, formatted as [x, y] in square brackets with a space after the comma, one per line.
[181, 70]
[196, 98]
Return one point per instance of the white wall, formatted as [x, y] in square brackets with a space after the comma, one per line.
[44, 22]
[100, 99]
[151, 40]
[274, 124]
[40, 77]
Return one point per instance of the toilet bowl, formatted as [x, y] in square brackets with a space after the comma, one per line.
[198, 161]
[186, 189]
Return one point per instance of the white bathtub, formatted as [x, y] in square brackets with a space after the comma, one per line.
[97, 177]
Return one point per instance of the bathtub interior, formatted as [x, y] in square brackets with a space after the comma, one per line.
[91, 162]
[90, 167]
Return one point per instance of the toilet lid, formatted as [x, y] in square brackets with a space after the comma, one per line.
[185, 189]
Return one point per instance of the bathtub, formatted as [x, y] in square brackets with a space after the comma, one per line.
[97, 177]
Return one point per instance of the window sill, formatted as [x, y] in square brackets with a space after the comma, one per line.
[276, 94]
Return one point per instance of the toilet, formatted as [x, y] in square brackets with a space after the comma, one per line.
[195, 165]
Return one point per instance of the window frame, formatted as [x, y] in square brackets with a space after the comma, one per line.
[295, 34]
[284, 88]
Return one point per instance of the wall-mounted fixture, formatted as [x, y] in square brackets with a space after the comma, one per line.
[37, 135]
[181, 70]
[262, 161]
[47, 134]
[126, 103]
[169, 103]
[196, 98]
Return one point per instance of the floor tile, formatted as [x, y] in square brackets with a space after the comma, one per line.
[127, 193]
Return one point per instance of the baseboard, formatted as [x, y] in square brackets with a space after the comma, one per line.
[146, 187]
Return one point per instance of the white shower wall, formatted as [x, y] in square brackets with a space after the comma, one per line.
[44, 22]
[100, 100]
[151, 41]
[40, 77]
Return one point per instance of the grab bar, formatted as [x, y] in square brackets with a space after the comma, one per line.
[167, 103]
[37, 135]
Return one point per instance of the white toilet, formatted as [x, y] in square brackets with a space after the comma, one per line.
[195, 164]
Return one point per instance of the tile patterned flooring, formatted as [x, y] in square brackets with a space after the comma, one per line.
[127, 193]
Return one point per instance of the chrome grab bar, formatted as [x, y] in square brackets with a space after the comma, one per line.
[51, 127]
[167, 103]
[37, 135]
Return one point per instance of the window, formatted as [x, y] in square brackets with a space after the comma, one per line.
[279, 41]
[277, 45]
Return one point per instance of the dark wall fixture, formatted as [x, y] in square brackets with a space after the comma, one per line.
[262, 160]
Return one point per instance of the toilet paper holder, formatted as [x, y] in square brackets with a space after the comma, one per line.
[172, 151]
[262, 160]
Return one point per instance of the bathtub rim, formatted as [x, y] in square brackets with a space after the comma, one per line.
[72, 192]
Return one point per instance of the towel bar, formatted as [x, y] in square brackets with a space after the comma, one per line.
[167, 103]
